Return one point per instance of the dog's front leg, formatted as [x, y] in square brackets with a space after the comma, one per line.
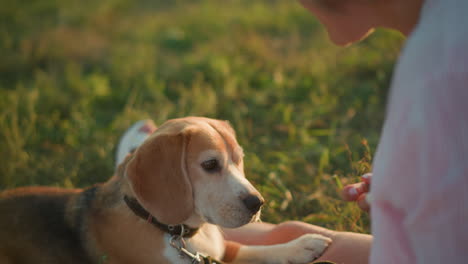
[301, 250]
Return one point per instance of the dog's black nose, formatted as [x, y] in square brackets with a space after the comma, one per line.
[253, 203]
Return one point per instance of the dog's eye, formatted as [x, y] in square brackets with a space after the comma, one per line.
[211, 165]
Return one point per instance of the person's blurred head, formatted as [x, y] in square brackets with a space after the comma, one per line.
[349, 21]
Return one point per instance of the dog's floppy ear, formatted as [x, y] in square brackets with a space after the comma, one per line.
[158, 177]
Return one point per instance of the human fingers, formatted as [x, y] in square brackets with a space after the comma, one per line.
[367, 178]
[352, 192]
[362, 202]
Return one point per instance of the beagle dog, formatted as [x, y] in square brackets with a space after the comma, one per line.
[165, 204]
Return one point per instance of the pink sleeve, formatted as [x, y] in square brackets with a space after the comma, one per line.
[420, 185]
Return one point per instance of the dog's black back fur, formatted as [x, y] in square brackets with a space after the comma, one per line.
[34, 227]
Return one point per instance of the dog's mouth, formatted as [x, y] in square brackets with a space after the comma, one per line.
[256, 217]
[230, 217]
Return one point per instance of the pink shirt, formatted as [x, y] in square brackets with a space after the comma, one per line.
[420, 183]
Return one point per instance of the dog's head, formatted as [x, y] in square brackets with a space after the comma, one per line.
[193, 166]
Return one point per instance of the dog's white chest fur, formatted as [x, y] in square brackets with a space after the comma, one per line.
[208, 241]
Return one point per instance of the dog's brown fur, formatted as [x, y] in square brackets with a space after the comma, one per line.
[34, 228]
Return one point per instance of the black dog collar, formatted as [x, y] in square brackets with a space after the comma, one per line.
[174, 230]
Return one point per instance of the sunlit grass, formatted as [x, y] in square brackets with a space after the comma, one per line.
[74, 76]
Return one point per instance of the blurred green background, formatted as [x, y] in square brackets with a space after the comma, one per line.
[75, 74]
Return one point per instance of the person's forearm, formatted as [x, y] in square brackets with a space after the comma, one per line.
[347, 247]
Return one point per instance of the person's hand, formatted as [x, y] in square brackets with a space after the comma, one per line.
[359, 192]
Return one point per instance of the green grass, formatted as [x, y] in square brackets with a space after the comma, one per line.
[75, 74]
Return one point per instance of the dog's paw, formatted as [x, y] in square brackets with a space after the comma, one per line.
[306, 248]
